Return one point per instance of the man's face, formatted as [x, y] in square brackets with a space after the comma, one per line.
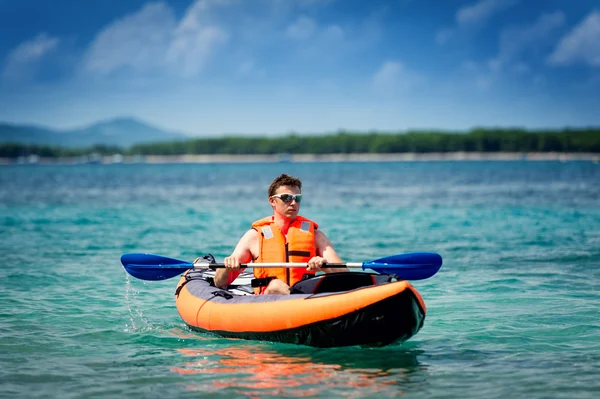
[283, 204]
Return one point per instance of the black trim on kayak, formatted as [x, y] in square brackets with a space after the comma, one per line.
[394, 319]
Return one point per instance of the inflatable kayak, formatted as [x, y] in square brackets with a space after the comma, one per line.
[329, 310]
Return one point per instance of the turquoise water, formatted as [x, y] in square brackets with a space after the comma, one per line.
[514, 311]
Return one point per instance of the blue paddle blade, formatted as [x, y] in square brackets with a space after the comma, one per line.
[153, 267]
[408, 266]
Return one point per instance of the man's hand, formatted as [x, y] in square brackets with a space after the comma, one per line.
[232, 263]
[315, 263]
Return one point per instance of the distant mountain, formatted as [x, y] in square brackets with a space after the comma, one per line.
[122, 132]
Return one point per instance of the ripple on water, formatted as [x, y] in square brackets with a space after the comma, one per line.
[512, 313]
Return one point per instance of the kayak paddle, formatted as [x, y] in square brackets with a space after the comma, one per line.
[408, 266]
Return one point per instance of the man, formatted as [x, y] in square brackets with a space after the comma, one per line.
[283, 237]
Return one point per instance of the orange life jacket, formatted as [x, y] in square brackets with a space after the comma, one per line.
[273, 246]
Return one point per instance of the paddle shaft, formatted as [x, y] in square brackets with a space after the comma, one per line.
[275, 265]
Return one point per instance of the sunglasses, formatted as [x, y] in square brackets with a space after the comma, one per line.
[288, 198]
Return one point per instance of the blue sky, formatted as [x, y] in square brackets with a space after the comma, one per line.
[214, 67]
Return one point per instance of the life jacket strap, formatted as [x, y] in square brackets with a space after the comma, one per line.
[261, 282]
[298, 253]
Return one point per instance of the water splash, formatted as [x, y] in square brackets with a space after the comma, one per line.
[136, 317]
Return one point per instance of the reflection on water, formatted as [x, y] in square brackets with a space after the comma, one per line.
[273, 370]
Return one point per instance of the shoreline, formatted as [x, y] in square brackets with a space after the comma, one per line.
[304, 158]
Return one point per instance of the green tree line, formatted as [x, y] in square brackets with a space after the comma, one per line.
[15, 150]
[343, 142]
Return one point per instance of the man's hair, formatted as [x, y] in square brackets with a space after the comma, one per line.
[284, 180]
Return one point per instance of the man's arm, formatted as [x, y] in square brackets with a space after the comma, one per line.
[241, 254]
[326, 251]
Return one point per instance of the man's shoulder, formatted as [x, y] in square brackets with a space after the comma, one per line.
[320, 237]
[251, 233]
[250, 241]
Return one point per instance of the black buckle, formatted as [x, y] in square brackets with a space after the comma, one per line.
[223, 294]
[261, 282]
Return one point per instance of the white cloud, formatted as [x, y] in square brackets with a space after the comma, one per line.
[25, 56]
[314, 42]
[139, 41]
[310, 3]
[478, 75]
[193, 43]
[521, 68]
[334, 33]
[472, 15]
[304, 28]
[481, 11]
[249, 68]
[517, 42]
[388, 74]
[581, 45]
[392, 77]
[518, 47]
[246, 68]
[444, 35]
[153, 41]
[470, 66]
[34, 49]
[301, 29]
[152, 38]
